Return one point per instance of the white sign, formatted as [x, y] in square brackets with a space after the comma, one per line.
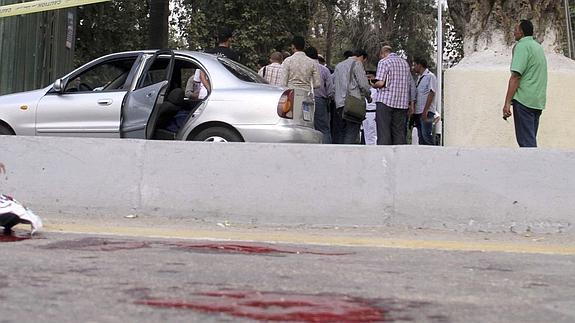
[41, 5]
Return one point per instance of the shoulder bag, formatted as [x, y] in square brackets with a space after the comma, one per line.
[353, 108]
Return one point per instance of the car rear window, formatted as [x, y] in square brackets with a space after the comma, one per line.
[241, 72]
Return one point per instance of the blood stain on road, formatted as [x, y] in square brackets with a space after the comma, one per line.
[270, 306]
[249, 249]
[96, 244]
[12, 238]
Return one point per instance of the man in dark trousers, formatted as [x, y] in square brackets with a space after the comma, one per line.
[394, 82]
[347, 132]
[527, 89]
[322, 95]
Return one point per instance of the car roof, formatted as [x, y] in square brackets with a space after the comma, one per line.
[183, 52]
[210, 62]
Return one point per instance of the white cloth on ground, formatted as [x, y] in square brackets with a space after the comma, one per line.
[9, 205]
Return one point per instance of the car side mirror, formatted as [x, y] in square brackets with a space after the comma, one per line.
[58, 86]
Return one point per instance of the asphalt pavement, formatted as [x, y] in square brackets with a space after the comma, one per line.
[129, 270]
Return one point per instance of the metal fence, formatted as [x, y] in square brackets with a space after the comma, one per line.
[35, 49]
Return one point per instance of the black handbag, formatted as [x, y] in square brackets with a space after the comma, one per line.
[354, 109]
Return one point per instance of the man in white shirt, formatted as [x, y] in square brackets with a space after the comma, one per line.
[198, 86]
[424, 114]
[369, 125]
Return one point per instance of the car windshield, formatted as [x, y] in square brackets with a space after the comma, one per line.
[242, 72]
[109, 75]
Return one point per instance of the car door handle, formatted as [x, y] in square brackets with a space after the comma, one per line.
[105, 101]
[149, 95]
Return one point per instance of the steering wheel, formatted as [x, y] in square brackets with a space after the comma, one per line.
[84, 87]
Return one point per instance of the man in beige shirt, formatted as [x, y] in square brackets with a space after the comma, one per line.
[298, 70]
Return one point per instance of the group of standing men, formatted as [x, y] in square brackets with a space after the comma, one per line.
[395, 100]
[397, 96]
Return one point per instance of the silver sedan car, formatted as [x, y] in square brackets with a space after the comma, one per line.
[142, 95]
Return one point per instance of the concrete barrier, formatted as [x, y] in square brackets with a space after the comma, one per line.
[430, 187]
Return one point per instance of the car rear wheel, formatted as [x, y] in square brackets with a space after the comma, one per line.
[5, 131]
[218, 134]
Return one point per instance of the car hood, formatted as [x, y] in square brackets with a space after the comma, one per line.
[22, 97]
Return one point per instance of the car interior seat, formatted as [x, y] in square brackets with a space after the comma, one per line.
[173, 103]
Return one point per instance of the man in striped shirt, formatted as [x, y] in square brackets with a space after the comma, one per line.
[394, 82]
[273, 72]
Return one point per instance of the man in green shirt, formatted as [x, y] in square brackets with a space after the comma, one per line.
[527, 89]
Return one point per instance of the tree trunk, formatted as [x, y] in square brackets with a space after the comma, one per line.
[330, 7]
[159, 13]
[489, 24]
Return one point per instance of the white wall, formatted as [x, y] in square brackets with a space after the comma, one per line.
[431, 187]
[474, 96]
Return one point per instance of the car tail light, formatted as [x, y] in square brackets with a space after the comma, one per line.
[285, 105]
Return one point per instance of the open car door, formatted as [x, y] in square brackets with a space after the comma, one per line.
[148, 94]
[88, 102]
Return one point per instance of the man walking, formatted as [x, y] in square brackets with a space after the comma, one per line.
[321, 120]
[273, 72]
[527, 89]
[426, 87]
[347, 132]
[298, 70]
[394, 82]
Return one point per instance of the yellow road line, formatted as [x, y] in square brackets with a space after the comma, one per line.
[316, 239]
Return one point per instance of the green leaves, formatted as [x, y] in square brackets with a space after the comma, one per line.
[263, 26]
[407, 26]
[260, 26]
[108, 27]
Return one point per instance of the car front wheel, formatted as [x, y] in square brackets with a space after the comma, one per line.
[218, 134]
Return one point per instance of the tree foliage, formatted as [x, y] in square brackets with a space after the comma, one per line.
[341, 25]
[452, 43]
[333, 26]
[407, 26]
[109, 27]
[263, 26]
[260, 26]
